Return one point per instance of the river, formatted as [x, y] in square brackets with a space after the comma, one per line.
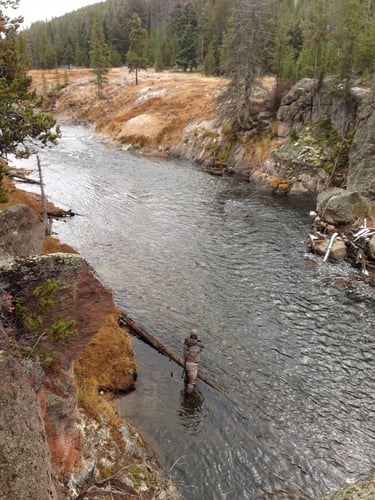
[291, 349]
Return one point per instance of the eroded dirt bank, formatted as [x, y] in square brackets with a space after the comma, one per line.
[150, 114]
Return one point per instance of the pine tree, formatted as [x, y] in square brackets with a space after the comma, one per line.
[136, 57]
[22, 129]
[347, 14]
[241, 55]
[187, 51]
[366, 53]
[209, 61]
[314, 59]
[186, 30]
[99, 57]
[286, 41]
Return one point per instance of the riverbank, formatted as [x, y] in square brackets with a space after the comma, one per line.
[287, 153]
[87, 449]
[148, 116]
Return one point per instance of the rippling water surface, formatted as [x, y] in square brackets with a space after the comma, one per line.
[292, 352]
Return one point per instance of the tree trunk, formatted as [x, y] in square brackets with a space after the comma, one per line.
[46, 222]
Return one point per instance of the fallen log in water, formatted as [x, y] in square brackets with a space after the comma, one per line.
[60, 214]
[154, 342]
[22, 178]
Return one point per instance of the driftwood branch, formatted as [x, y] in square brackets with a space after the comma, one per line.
[22, 178]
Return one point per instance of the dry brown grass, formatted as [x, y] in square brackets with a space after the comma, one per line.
[18, 196]
[108, 359]
[53, 245]
[167, 101]
[107, 364]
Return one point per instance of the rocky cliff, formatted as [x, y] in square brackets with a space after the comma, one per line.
[50, 447]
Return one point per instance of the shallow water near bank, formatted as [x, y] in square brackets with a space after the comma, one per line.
[292, 352]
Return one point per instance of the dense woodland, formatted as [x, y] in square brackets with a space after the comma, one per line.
[290, 38]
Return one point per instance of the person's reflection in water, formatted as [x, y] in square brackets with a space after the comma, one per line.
[190, 411]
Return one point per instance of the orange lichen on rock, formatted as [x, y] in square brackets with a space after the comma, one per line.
[64, 438]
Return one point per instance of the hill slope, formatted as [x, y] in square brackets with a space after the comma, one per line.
[150, 114]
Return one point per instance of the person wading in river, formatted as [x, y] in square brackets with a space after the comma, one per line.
[192, 353]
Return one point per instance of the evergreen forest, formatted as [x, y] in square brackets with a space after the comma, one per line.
[241, 39]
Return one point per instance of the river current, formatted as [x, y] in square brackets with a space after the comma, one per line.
[292, 351]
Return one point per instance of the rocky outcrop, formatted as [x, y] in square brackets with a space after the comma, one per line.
[81, 298]
[21, 234]
[25, 471]
[45, 449]
[306, 103]
[200, 141]
[301, 159]
[361, 175]
[326, 107]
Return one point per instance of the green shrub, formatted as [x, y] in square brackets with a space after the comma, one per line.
[32, 323]
[294, 135]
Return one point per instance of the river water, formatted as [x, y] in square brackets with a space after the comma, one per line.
[292, 351]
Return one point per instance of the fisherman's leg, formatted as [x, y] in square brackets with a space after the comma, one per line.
[192, 371]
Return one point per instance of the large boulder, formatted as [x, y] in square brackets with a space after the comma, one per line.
[21, 233]
[200, 141]
[361, 175]
[338, 206]
[295, 108]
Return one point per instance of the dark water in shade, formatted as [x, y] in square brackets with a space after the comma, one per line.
[292, 351]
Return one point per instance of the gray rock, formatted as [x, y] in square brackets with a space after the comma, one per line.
[304, 103]
[25, 471]
[361, 175]
[338, 206]
[21, 234]
[295, 108]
